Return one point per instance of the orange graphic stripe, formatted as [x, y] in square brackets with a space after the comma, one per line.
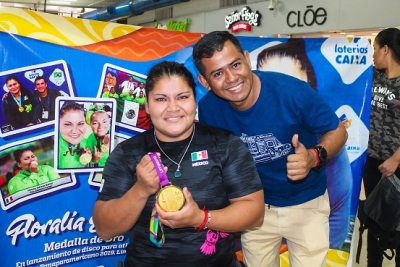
[144, 44]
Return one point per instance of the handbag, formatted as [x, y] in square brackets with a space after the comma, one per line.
[382, 208]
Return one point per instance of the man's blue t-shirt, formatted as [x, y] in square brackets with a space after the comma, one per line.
[286, 106]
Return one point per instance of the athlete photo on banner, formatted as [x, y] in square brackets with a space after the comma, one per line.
[128, 89]
[85, 133]
[29, 173]
[29, 93]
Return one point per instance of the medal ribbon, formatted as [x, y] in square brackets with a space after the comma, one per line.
[156, 237]
[156, 229]
[19, 102]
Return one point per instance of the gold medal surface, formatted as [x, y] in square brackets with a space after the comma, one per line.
[104, 148]
[21, 109]
[85, 158]
[170, 198]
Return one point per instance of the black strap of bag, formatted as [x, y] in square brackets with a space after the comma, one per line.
[362, 217]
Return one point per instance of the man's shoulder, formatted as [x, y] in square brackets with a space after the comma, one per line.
[272, 77]
[209, 98]
[51, 91]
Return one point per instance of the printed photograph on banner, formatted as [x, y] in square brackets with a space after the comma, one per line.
[128, 89]
[95, 177]
[27, 171]
[291, 57]
[28, 96]
[84, 133]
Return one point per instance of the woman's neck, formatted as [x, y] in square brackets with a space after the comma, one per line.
[17, 94]
[393, 70]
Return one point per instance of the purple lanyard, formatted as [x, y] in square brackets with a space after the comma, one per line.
[156, 229]
[160, 169]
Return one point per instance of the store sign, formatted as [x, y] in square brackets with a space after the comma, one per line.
[310, 17]
[173, 25]
[242, 20]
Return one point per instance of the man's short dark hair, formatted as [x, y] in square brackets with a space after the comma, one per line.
[40, 78]
[211, 42]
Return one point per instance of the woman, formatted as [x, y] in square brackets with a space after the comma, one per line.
[30, 174]
[222, 190]
[384, 136]
[99, 140]
[72, 146]
[20, 106]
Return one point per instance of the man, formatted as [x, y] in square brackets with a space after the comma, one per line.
[140, 99]
[127, 85]
[47, 98]
[110, 94]
[290, 131]
[139, 89]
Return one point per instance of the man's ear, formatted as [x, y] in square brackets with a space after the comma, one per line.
[203, 81]
[247, 56]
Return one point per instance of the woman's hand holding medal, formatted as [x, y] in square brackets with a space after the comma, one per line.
[189, 216]
[147, 177]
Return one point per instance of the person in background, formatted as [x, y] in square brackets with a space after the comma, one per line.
[47, 98]
[139, 90]
[127, 85]
[140, 99]
[99, 139]
[72, 146]
[279, 118]
[128, 96]
[110, 94]
[20, 106]
[291, 58]
[384, 136]
[220, 186]
[31, 173]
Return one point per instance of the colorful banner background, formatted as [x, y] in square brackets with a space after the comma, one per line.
[52, 226]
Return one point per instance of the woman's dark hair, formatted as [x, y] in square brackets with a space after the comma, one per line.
[18, 154]
[68, 105]
[169, 69]
[13, 77]
[294, 48]
[391, 38]
[211, 42]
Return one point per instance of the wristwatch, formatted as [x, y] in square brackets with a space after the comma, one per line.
[322, 156]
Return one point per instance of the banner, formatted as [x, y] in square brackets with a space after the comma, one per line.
[53, 67]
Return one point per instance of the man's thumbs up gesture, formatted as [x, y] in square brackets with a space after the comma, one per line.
[299, 164]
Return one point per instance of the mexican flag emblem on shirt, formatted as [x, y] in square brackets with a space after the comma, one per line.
[200, 155]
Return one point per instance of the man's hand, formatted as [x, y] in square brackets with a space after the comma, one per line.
[299, 164]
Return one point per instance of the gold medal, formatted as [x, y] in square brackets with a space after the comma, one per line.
[104, 148]
[21, 109]
[170, 198]
[85, 158]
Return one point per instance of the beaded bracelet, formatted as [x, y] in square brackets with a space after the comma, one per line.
[208, 220]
